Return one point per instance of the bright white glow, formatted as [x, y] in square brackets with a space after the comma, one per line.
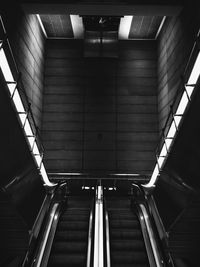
[12, 87]
[31, 140]
[18, 102]
[45, 177]
[189, 90]
[38, 160]
[161, 161]
[168, 142]
[99, 192]
[124, 27]
[172, 130]
[177, 120]
[5, 67]
[163, 152]
[86, 187]
[153, 177]
[195, 71]
[22, 117]
[182, 104]
[22, 113]
[27, 128]
[36, 150]
[77, 26]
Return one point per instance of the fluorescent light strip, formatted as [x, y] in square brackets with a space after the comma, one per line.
[124, 27]
[11, 85]
[77, 26]
[195, 71]
[189, 88]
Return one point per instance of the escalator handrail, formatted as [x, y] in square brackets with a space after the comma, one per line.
[108, 262]
[151, 236]
[90, 237]
[39, 257]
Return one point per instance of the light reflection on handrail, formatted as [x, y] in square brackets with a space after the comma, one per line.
[90, 234]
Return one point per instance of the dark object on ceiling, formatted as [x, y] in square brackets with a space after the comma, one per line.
[101, 23]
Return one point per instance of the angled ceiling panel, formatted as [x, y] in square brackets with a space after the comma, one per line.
[57, 26]
[145, 27]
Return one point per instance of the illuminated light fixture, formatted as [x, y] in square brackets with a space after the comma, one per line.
[177, 120]
[154, 177]
[168, 142]
[31, 140]
[124, 27]
[182, 104]
[38, 160]
[12, 87]
[23, 117]
[18, 102]
[77, 26]
[164, 151]
[45, 177]
[177, 117]
[172, 130]
[36, 150]
[5, 67]
[160, 161]
[195, 71]
[189, 90]
[126, 174]
[27, 128]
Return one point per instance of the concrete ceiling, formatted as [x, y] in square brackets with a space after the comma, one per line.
[128, 27]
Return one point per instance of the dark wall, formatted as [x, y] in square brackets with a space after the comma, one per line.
[100, 114]
[21, 189]
[174, 45]
[27, 41]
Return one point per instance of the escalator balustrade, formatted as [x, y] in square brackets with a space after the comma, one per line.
[71, 238]
[127, 246]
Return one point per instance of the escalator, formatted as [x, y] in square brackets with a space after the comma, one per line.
[71, 238]
[114, 230]
[127, 247]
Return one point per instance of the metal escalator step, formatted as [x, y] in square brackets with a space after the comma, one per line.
[69, 247]
[125, 234]
[125, 224]
[66, 235]
[73, 225]
[126, 245]
[129, 257]
[72, 260]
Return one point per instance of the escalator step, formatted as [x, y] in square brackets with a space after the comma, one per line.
[129, 257]
[71, 235]
[73, 225]
[125, 224]
[72, 260]
[69, 247]
[125, 234]
[125, 245]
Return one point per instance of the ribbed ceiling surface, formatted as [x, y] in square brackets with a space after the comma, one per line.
[142, 27]
[57, 26]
